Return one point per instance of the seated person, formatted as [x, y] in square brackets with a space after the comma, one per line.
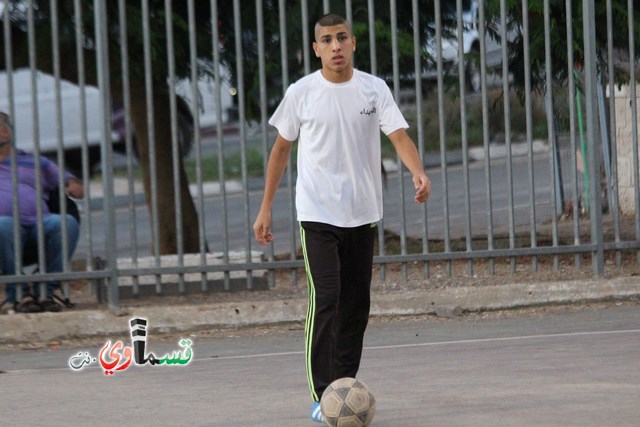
[27, 203]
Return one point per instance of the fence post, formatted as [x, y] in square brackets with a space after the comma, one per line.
[590, 82]
[100, 22]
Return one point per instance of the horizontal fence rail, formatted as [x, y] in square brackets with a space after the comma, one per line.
[161, 107]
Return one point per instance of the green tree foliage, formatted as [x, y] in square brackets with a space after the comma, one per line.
[558, 17]
[295, 59]
[66, 21]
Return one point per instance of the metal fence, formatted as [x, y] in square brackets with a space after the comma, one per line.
[497, 194]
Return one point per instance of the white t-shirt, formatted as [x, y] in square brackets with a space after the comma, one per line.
[338, 130]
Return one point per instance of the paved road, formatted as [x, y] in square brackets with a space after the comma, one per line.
[238, 228]
[555, 367]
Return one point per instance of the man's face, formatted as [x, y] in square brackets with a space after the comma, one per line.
[335, 46]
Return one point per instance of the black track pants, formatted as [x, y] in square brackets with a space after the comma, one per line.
[338, 263]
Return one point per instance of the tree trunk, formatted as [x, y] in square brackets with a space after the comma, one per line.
[168, 230]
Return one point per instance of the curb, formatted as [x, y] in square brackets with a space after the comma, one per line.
[121, 196]
[444, 302]
[518, 149]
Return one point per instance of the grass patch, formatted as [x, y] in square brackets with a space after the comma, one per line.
[474, 119]
[232, 166]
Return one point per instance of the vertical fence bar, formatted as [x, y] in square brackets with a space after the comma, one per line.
[373, 57]
[243, 139]
[529, 130]
[583, 148]
[262, 76]
[393, 16]
[17, 249]
[175, 148]
[613, 185]
[349, 16]
[215, 39]
[55, 50]
[372, 37]
[102, 65]
[417, 69]
[17, 229]
[604, 136]
[464, 137]
[304, 10]
[349, 10]
[396, 94]
[551, 130]
[443, 135]
[634, 117]
[486, 139]
[284, 65]
[126, 100]
[572, 125]
[595, 213]
[506, 91]
[197, 140]
[86, 172]
[36, 140]
[153, 173]
[8, 50]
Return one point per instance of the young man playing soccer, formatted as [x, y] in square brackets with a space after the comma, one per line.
[336, 115]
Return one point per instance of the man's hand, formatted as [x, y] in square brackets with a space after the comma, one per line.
[422, 183]
[408, 153]
[74, 189]
[261, 228]
[278, 159]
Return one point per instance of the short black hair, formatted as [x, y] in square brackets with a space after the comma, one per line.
[331, 19]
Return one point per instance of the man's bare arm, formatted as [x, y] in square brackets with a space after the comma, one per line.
[276, 166]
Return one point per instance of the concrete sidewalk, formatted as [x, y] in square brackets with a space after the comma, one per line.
[445, 302]
[122, 194]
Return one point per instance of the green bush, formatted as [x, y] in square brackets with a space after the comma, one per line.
[474, 120]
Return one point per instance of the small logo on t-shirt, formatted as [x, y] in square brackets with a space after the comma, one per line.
[368, 111]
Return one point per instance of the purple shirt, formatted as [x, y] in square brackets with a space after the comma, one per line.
[27, 202]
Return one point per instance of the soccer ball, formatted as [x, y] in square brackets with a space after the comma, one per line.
[347, 402]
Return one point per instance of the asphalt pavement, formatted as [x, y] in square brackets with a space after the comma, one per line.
[550, 367]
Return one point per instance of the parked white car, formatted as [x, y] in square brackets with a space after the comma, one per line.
[25, 129]
[470, 45]
[70, 114]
